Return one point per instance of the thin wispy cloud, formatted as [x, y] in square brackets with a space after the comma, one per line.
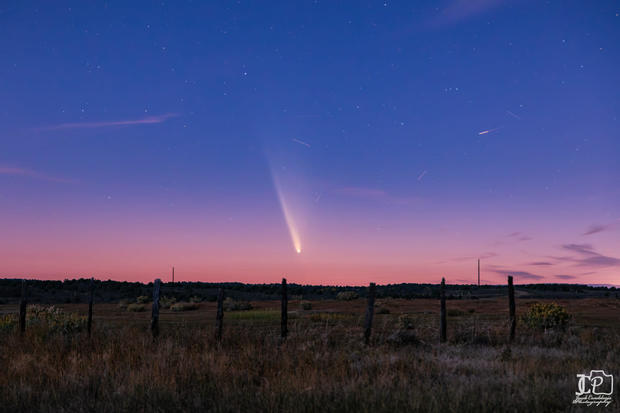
[482, 256]
[596, 228]
[587, 256]
[456, 11]
[540, 263]
[518, 236]
[29, 173]
[565, 277]
[375, 195]
[105, 124]
[585, 249]
[599, 261]
[519, 274]
[512, 238]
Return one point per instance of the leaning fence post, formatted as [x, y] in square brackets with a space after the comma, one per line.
[442, 315]
[219, 317]
[511, 307]
[22, 308]
[90, 305]
[284, 329]
[155, 312]
[370, 311]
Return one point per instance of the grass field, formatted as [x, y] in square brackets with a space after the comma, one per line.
[322, 366]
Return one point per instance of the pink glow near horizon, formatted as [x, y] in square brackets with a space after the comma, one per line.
[137, 248]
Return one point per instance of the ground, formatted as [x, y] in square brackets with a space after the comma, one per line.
[323, 365]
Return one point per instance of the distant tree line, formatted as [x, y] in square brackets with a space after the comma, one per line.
[75, 290]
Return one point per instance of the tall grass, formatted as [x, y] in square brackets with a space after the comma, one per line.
[320, 367]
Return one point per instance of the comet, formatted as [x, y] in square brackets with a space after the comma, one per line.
[290, 223]
[288, 215]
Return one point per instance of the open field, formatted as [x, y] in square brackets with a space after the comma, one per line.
[322, 366]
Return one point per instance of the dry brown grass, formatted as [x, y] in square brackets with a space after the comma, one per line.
[323, 365]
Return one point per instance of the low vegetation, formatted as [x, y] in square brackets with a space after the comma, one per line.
[347, 295]
[323, 365]
[166, 302]
[544, 316]
[184, 306]
[46, 320]
[143, 299]
[135, 307]
[232, 305]
[256, 315]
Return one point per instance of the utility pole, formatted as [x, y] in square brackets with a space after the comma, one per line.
[478, 272]
[173, 274]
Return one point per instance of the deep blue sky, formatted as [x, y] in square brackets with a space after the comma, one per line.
[370, 111]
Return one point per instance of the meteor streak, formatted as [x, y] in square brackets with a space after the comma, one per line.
[299, 141]
[513, 115]
[484, 132]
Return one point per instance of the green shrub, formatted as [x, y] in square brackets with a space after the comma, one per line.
[122, 304]
[543, 316]
[184, 306]
[306, 306]
[506, 354]
[265, 315]
[455, 312]
[167, 302]
[195, 299]
[232, 305]
[404, 333]
[8, 322]
[405, 322]
[135, 307]
[52, 319]
[330, 317]
[143, 299]
[55, 319]
[347, 295]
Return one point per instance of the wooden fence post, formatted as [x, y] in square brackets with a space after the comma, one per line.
[22, 308]
[284, 329]
[155, 312]
[511, 307]
[90, 305]
[442, 315]
[219, 317]
[370, 311]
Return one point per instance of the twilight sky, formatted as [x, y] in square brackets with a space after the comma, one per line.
[388, 141]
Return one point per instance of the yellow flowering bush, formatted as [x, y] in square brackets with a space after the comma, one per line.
[545, 316]
[50, 318]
